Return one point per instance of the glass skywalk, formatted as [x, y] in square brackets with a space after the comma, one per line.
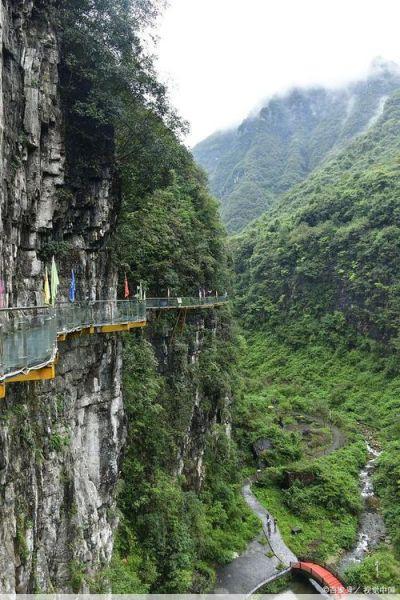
[29, 336]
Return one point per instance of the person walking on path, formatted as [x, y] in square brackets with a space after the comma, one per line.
[275, 521]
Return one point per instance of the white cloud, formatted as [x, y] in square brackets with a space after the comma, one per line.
[221, 57]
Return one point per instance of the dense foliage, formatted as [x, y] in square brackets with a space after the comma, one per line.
[319, 274]
[346, 390]
[379, 573]
[250, 167]
[172, 238]
[168, 235]
[171, 537]
[104, 74]
[318, 287]
[117, 112]
[327, 259]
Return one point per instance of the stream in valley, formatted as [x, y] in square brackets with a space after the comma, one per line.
[372, 528]
[255, 567]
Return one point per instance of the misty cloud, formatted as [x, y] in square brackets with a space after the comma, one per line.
[226, 56]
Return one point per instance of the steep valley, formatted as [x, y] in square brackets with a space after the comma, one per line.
[252, 166]
[317, 293]
[125, 471]
[120, 474]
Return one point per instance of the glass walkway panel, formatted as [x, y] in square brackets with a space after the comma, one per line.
[29, 335]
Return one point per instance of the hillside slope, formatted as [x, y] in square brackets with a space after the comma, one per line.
[251, 166]
[330, 249]
[318, 291]
[114, 475]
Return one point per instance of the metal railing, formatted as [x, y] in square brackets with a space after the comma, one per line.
[159, 303]
[28, 335]
[28, 339]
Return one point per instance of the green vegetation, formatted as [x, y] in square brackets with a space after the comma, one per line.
[277, 586]
[172, 238]
[327, 259]
[318, 290]
[379, 573]
[322, 537]
[105, 77]
[77, 575]
[171, 537]
[319, 495]
[58, 441]
[21, 526]
[387, 480]
[181, 512]
[250, 167]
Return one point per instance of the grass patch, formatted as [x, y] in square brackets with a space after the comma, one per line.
[379, 573]
[321, 536]
[351, 389]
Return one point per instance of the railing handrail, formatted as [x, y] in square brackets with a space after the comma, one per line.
[72, 304]
[28, 334]
[92, 302]
[191, 297]
[15, 308]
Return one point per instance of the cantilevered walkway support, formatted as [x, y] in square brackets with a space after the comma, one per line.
[29, 335]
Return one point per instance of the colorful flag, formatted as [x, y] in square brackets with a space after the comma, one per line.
[46, 288]
[72, 287]
[126, 288]
[54, 281]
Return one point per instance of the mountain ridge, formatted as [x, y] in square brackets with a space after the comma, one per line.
[251, 166]
[317, 290]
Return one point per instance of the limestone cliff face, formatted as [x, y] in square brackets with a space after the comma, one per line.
[196, 410]
[60, 442]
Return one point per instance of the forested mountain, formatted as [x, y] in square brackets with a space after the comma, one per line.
[329, 249]
[123, 471]
[179, 504]
[251, 166]
[318, 288]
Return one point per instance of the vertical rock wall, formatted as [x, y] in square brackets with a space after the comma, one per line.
[60, 442]
[196, 411]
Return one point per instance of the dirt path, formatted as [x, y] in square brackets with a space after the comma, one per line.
[338, 438]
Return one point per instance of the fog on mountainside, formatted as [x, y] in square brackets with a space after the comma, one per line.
[317, 291]
[251, 166]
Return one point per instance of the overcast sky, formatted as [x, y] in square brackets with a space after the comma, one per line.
[221, 58]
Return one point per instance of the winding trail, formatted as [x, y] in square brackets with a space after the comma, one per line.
[254, 568]
[338, 437]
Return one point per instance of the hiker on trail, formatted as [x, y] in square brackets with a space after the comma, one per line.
[268, 528]
[275, 521]
[272, 525]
